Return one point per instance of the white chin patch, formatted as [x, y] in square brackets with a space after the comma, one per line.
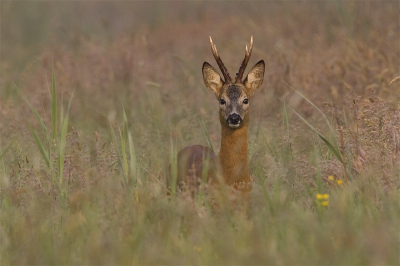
[234, 126]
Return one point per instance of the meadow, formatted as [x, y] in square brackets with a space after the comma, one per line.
[97, 97]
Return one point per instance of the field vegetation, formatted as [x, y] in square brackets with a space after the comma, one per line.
[97, 97]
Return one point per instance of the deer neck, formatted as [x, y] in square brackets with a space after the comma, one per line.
[233, 155]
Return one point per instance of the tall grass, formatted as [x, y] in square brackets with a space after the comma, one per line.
[112, 222]
[55, 143]
[128, 166]
[83, 181]
[331, 145]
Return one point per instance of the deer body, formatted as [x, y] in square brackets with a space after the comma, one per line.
[231, 166]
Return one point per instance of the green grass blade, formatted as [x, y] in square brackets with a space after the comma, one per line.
[61, 151]
[114, 139]
[130, 171]
[174, 169]
[47, 83]
[205, 132]
[70, 101]
[4, 152]
[4, 179]
[54, 106]
[124, 152]
[273, 153]
[133, 169]
[305, 121]
[313, 105]
[331, 147]
[285, 118]
[39, 144]
[124, 143]
[334, 150]
[39, 119]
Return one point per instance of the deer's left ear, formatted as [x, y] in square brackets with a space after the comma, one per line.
[255, 77]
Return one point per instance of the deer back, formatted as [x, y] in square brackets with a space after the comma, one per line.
[193, 163]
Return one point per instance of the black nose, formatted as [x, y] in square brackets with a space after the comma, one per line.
[234, 119]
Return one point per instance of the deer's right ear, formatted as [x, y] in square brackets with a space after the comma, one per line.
[212, 79]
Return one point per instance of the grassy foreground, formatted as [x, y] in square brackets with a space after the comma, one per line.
[90, 114]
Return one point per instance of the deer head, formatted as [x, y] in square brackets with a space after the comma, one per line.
[234, 97]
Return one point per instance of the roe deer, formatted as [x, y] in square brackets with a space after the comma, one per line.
[231, 166]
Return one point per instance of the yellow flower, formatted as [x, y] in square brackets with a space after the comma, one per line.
[322, 196]
[339, 182]
[331, 177]
[324, 203]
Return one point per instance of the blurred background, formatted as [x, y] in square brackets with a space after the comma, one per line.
[113, 53]
[145, 57]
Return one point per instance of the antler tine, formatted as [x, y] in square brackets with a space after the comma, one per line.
[221, 65]
[243, 66]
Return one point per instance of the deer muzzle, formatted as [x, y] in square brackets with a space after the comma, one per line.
[234, 120]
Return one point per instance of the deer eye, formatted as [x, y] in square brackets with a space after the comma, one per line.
[246, 101]
[222, 102]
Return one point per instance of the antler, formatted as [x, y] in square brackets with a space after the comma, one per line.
[239, 75]
[221, 65]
